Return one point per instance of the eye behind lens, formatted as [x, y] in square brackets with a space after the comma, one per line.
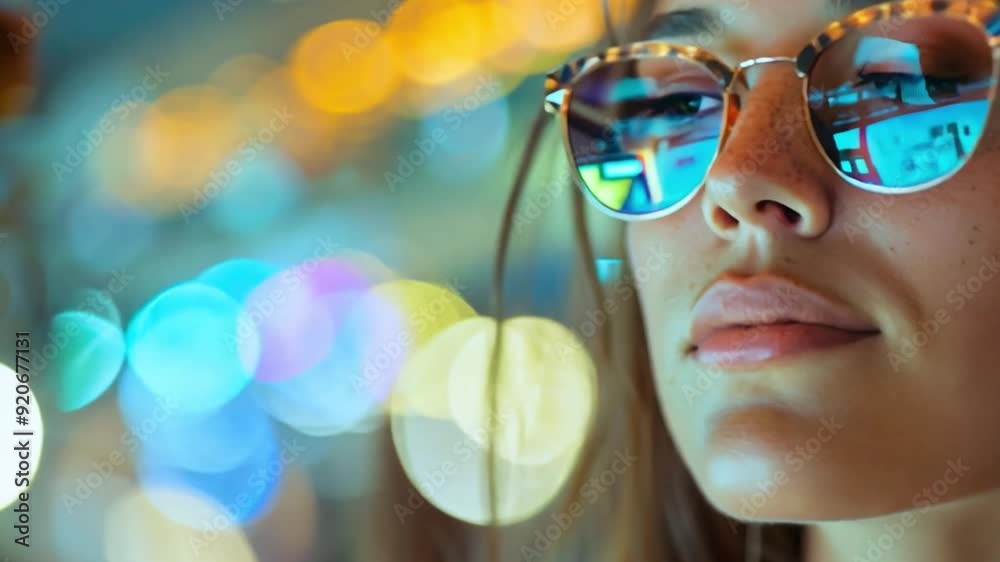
[897, 112]
[656, 147]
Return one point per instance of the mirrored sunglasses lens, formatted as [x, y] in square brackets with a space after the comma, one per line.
[898, 104]
[644, 132]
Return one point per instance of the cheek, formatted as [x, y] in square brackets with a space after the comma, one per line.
[949, 260]
[663, 297]
[685, 237]
[643, 239]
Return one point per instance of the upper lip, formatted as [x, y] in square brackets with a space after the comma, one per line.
[768, 299]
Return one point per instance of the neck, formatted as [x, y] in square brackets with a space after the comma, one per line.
[959, 530]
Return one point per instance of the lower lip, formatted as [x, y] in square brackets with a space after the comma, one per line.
[747, 346]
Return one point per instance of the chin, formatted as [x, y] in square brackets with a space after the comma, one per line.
[770, 464]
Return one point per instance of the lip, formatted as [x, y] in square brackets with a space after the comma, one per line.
[742, 322]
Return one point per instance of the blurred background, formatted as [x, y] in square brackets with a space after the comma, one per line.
[252, 243]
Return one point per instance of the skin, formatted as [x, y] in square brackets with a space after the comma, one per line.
[898, 424]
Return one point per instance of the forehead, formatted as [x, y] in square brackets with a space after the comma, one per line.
[744, 28]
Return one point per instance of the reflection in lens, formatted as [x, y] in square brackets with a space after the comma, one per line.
[644, 132]
[903, 109]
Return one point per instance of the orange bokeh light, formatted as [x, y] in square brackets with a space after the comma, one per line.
[187, 134]
[344, 66]
[437, 41]
[564, 26]
[315, 139]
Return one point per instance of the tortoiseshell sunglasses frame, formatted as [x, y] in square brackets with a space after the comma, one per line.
[559, 82]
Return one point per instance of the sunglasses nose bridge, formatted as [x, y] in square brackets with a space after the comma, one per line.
[741, 70]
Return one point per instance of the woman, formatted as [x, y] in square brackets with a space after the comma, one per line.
[816, 359]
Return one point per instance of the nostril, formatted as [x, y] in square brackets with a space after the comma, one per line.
[724, 219]
[791, 215]
[787, 214]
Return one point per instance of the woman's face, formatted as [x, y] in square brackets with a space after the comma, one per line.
[893, 405]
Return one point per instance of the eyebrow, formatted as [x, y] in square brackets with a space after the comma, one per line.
[692, 21]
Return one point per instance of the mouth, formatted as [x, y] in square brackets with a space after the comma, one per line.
[746, 323]
[741, 346]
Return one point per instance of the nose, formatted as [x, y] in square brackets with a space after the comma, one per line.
[768, 176]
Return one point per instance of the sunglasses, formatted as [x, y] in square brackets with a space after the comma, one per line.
[895, 97]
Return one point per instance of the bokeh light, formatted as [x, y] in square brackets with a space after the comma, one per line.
[210, 442]
[500, 28]
[344, 66]
[295, 318]
[375, 331]
[135, 529]
[449, 468]
[319, 402]
[374, 268]
[563, 27]
[421, 387]
[99, 302]
[187, 347]
[238, 278]
[407, 314]
[90, 359]
[267, 187]
[186, 137]
[418, 101]
[245, 493]
[329, 397]
[546, 386]
[315, 139]
[436, 41]
[118, 173]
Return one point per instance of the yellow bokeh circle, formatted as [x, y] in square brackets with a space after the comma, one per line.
[545, 388]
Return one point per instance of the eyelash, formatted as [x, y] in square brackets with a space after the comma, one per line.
[934, 84]
[656, 106]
